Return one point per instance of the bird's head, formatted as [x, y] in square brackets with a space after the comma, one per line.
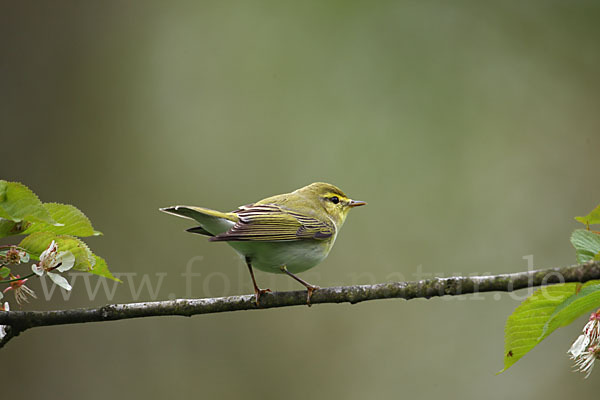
[332, 200]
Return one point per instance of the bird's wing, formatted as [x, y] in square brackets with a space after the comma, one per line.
[270, 223]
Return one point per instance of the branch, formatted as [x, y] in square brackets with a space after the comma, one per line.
[20, 321]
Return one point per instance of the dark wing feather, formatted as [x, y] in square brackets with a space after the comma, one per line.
[200, 230]
[269, 222]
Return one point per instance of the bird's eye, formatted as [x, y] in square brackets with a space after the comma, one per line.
[334, 199]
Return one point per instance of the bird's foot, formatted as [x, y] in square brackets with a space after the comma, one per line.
[257, 293]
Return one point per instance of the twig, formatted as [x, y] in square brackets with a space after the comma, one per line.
[20, 321]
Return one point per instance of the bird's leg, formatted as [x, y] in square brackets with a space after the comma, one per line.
[257, 291]
[310, 288]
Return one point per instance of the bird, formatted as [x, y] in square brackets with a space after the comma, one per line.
[284, 234]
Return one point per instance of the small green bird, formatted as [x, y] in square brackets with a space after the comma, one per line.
[287, 233]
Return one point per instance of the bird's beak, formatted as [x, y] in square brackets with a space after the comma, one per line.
[356, 203]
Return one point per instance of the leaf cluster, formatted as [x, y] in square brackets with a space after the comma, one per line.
[23, 213]
[550, 308]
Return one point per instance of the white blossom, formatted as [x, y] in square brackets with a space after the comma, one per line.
[51, 260]
[20, 289]
[586, 349]
[579, 346]
[16, 256]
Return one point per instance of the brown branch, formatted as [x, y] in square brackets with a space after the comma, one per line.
[20, 321]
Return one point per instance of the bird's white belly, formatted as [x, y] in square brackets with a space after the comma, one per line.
[297, 256]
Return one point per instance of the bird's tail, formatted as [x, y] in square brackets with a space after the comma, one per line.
[211, 222]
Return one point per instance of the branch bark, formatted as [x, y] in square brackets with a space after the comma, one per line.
[19, 321]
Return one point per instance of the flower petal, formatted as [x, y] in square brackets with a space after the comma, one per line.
[37, 269]
[579, 346]
[24, 257]
[59, 280]
[48, 251]
[67, 260]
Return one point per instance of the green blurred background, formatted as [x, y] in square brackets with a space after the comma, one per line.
[471, 128]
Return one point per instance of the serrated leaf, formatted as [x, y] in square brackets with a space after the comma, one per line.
[9, 228]
[548, 309]
[18, 203]
[592, 218]
[37, 242]
[101, 269]
[85, 260]
[586, 243]
[74, 222]
[4, 272]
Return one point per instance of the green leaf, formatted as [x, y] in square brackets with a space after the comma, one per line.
[85, 260]
[37, 242]
[73, 221]
[548, 309]
[586, 243]
[592, 218]
[18, 203]
[4, 272]
[9, 228]
[101, 269]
